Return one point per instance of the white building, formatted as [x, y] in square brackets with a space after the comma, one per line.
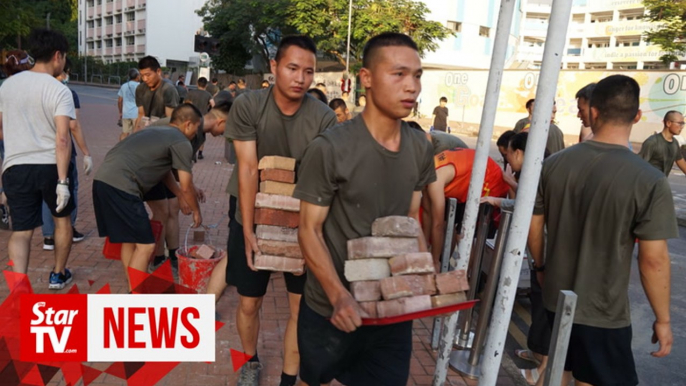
[474, 24]
[127, 30]
[602, 34]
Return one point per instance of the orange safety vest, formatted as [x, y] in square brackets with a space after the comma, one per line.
[463, 161]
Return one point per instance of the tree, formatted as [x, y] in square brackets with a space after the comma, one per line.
[19, 17]
[258, 25]
[671, 32]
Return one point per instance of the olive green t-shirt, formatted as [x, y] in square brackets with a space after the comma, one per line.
[142, 159]
[521, 124]
[196, 142]
[556, 139]
[154, 102]
[597, 200]
[443, 141]
[661, 153]
[346, 169]
[254, 116]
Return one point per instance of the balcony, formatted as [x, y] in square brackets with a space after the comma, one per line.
[130, 3]
[98, 10]
[140, 24]
[130, 49]
[109, 7]
[118, 5]
[140, 49]
[98, 32]
[90, 33]
[91, 12]
[117, 50]
[109, 30]
[141, 3]
[117, 29]
[109, 51]
[130, 26]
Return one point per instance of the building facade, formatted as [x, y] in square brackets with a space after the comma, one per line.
[127, 30]
[602, 34]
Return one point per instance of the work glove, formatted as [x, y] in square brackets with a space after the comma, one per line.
[62, 196]
[87, 164]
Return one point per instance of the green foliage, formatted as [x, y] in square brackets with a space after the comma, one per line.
[99, 71]
[671, 34]
[19, 17]
[255, 27]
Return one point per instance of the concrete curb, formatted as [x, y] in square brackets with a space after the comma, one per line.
[512, 371]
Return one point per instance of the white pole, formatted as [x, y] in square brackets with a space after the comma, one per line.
[347, 55]
[526, 193]
[483, 145]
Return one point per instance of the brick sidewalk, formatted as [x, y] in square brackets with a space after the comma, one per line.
[211, 174]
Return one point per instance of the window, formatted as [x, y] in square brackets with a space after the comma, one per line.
[109, 20]
[130, 16]
[90, 45]
[90, 3]
[108, 43]
[455, 26]
[99, 43]
[484, 31]
[129, 40]
[90, 23]
[99, 2]
[98, 22]
[117, 19]
[117, 42]
[572, 66]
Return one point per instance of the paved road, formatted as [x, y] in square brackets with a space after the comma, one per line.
[651, 371]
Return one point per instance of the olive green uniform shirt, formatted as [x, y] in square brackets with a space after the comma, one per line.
[661, 153]
[347, 170]
[598, 199]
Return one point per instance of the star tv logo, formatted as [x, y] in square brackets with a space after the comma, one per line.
[122, 328]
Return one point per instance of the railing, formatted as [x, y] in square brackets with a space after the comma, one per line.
[117, 29]
[118, 5]
[140, 24]
[109, 7]
[98, 32]
[117, 50]
[130, 3]
[108, 30]
[140, 48]
[130, 26]
[130, 49]
[91, 12]
[90, 33]
[109, 50]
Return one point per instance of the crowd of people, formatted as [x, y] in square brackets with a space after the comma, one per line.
[595, 201]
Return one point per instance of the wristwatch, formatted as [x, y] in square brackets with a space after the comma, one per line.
[63, 182]
[538, 269]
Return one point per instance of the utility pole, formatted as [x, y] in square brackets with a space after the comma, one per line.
[347, 54]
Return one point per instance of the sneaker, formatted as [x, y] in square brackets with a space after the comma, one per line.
[200, 156]
[49, 244]
[76, 235]
[4, 217]
[59, 280]
[250, 374]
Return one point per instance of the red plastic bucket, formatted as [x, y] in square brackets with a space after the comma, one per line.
[113, 250]
[195, 273]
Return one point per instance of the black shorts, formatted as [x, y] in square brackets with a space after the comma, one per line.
[26, 187]
[121, 216]
[158, 192]
[371, 355]
[248, 282]
[600, 356]
[538, 339]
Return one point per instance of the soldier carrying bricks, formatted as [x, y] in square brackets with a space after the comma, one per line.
[370, 167]
[277, 121]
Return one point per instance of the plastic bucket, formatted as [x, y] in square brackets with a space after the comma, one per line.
[195, 273]
[113, 250]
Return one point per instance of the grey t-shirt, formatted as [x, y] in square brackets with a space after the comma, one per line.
[597, 200]
[154, 102]
[521, 124]
[346, 169]
[443, 141]
[142, 159]
[200, 99]
[254, 116]
[556, 139]
[196, 142]
[661, 153]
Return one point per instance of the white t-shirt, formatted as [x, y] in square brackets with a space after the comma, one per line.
[128, 94]
[29, 103]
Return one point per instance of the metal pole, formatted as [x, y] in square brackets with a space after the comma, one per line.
[467, 362]
[562, 331]
[347, 55]
[478, 173]
[445, 263]
[476, 257]
[526, 194]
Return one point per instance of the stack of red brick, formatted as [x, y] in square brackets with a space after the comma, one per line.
[389, 266]
[277, 217]
[204, 252]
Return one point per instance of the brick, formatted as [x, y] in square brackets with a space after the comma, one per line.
[277, 175]
[366, 291]
[419, 262]
[276, 217]
[369, 308]
[377, 247]
[395, 226]
[203, 252]
[407, 285]
[270, 232]
[280, 248]
[402, 306]
[451, 282]
[448, 300]
[366, 269]
[276, 162]
[280, 188]
[279, 263]
[273, 201]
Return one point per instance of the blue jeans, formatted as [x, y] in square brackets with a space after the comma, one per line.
[48, 222]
